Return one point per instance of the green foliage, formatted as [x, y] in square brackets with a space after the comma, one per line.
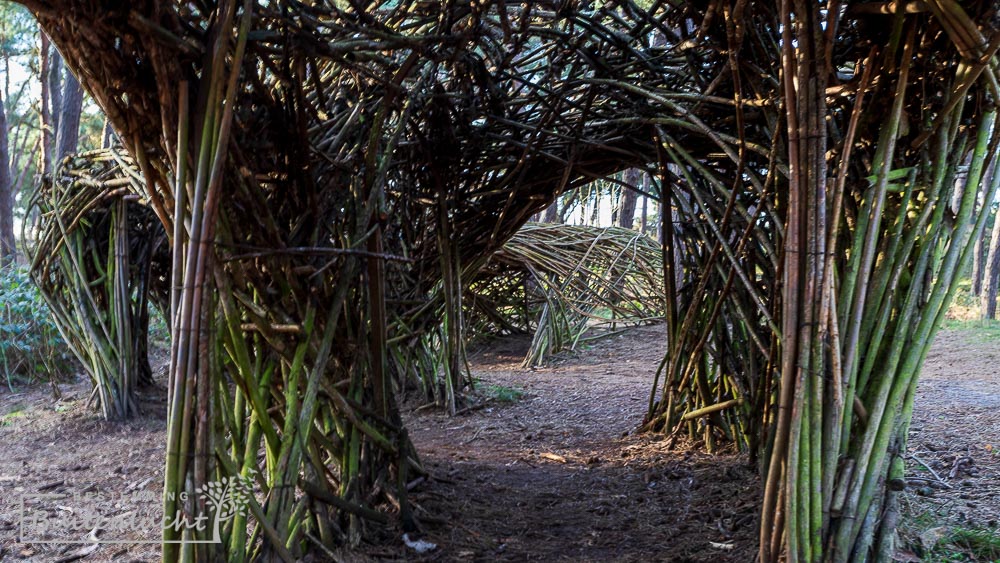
[965, 545]
[30, 345]
[502, 394]
[18, 31]
[980, 545]
[159, 332]
[8, 419]
[930, 536]
[980, 330]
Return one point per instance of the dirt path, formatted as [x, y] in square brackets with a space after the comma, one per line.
[550, 477]
[954, 455]
[60, 447]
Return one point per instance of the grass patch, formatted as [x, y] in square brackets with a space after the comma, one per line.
[8, 419]
[965, 545]
[502, 394]
[980, 330]
[983, 545]
[934, 540]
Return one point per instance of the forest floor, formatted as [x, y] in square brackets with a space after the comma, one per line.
[548, 469]
[952, 503]
[551, 471]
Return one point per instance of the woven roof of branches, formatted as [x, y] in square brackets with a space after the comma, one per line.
[476, 113]
[496, 106]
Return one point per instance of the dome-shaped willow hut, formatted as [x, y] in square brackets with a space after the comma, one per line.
[331, 175]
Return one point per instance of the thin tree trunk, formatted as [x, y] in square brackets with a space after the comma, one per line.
[978, 252]
[48, 128]
[17, 143]
[552, 212]
[107, 135]
[18, 180]
[595, 216]
[628, 200]
[8, 250]
[977, 265]
[54, 79]
[992, 273]
[68, 136]
[615, 203]
[567, 206]
[643, 222]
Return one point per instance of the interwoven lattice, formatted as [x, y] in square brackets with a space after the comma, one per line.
[381, 151]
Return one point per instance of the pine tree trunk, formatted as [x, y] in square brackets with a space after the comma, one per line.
[992, 273]
[8, 251]
[629, 198]
[616, 202]
[644, 220]
[552, 212]
[595, 216]
[978, 252]
[977, 266]
[107, 135]
[48, 128]
[68, 136]
[54, 80]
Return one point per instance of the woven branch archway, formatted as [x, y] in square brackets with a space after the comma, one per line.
[324, 168]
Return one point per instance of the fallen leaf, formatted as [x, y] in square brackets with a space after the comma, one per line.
[553, 457]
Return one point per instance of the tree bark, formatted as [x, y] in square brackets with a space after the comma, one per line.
[616, 202]
[55, 89]
[644, 220]
[978, 252]
[68, 136]
[595, 216]
[992, 272]
[107, 135]
[49, 78]
[567, 207]
[552, 212]
[977, 265]
[8, 250]
[629, 198]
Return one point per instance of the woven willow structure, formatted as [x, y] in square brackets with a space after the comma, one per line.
[99, 255]
[557, 281]
[326, 171]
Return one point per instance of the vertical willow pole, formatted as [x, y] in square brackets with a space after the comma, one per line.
[189, 431]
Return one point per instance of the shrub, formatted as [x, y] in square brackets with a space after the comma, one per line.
[30, 344]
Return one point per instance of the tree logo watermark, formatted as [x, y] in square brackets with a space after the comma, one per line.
[131, 517]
